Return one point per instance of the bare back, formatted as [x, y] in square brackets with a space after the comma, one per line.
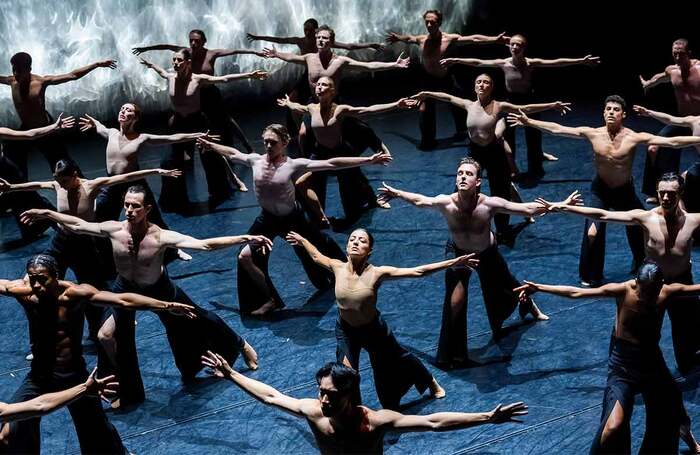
[122, 152]
[613, 157]
[636, 321]
[470, 230]
[686, 90]
[78, 202]
[30, 104]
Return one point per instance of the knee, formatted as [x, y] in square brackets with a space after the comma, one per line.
[652, 150]
[614, 425]
[4, 435]
[245, 258]
[591, 232]
[106, 335]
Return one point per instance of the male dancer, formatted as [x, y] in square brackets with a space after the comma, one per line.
[29, 98]
[184, 90]
[55, 309]
[613, 146]
[684, 76]
[138, 249]
[636, 364]
[484, 145]
[668, 239]
[518, 70]
[204, 62]
[340, 423]
[468, 214]
[274, 175]
[433, 47]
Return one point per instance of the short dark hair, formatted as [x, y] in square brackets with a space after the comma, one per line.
[617, 99]
[436, 12]
[138, 189]
[311, 21]
[672, 177]
[344, 378]
[186, 53]
[326, 28]
[44, 261]
[684, 42]
[370, 237]
[66, 167]
[279, 130]
[21, 60]
[200, 33]
[473, 162]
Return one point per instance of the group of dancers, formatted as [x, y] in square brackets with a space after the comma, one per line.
[121, 265]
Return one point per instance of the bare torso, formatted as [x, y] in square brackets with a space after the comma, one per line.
[122, 152]
[470, 230]
[669, 242]
[365, 438]
[613, 157]
[518, 78]
[79, 201]
[203, 62]
[137, 259]
[317, 69]
[274, 184]
[686, 90]
[356, 295]
[432, 50]
[30, 104]
[481, 121]
[326, 125]
[184, 94]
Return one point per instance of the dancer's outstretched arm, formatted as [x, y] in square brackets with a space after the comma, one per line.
[319, 258]
[389, 272]
[78, 73]
[61, 123]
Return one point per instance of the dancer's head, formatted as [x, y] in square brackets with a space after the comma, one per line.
[433, 20]
[42, 271]
[468, 176]
[182, 61]
[129, 114]
[483, 85]
[21, 64]
[614, 110]
[325, 88]
[275, 139]
[669, 190]
[517, 45]
[360, 243]
[650, 280]
[680, 51]
[310, 27]
[338, 389]
[325, 37]
[67, 173]
[197, 39]
[136, 206]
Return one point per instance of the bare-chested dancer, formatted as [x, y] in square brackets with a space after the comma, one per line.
[636, 364]
[55, 310]
[28, 96]
[274, 174]
[138, 249]
[334, 139]
[518, 70]
[339, 421]
[484, 146]
[360, 324]
[434, 46]
[468, 214]
[668, 239]
[9, 172]
[184, 87]
[614, 147]
[684, 76]
[204, 62]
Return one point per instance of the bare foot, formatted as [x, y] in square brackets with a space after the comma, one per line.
[266, 308]
[181, 255]
[549, 157]
[116, 404]
[530, 220]
[250, 356]
[383, 204]
[529, 306]
[436, 391]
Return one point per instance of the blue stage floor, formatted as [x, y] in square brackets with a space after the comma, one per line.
[557, 367]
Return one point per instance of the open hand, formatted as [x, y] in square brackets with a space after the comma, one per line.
[181, 309]
[502, 414]
[519, 119]
[562, 107]
[591, 60]
[65, 123]
[85, 123]
[107, 64]
[31, 216]
[467, 260]
[259, 75]
[104, 388]
[170, 173]
[382, 158]
[218, 365]
[403, 62]
[260, 241]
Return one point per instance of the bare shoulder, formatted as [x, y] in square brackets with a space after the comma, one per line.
[73, 291]
[311, 408]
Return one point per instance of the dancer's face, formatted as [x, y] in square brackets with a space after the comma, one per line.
[180, 64]
[483, 85]
[67, 182]
[127, 113]
[669, 194]
[467, 178]
[274, 144]
[333, 402]
[196, 41]
[359, 244]
[41, 280]
[135, 208]
[613, 114]
[432, 22]
[325, 87]
[517, 46]
[323, 39]
[679, 51]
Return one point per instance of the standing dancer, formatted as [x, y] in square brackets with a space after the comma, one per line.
[518, 70]
[360, 324]
[468, 214]
[433, 47]
[184, 90]
[274, 174]
[138, 248]
[613, 146]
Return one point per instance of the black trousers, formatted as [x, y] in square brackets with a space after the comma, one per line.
[173, 193]
[51, 146]
[427, 120]
[667, 159]
[691, 193]
[684, 313]
[395, 369]
[252, 297]
[634, 369]
[497, 284]
[592, 259]
[96, 434]
[533, 136]
[492, 159]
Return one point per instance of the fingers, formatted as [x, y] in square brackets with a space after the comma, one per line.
[520, 288]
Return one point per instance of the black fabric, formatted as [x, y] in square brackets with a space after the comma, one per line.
[691, 193]
[667, 159]
[634, 369]
[533, 136]
[497, 284]
[493, 161]
[252, 297]
[51, 146]
[684, 313]
[395, 369]
[426, 115]
[592, 259]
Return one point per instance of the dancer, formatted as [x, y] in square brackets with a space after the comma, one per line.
[184, 89]
[339, 421]
[518, 70]
[433, 47]
[668, 240]
[636, 364]
[274, 175]
[360, 324]
[204, 62]
[484, 146]
[468, 214]
[684, 76]
[29, 99]
[138, 248]
[55, 309]
[9, 172]
[332, 140]
[613, 146]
